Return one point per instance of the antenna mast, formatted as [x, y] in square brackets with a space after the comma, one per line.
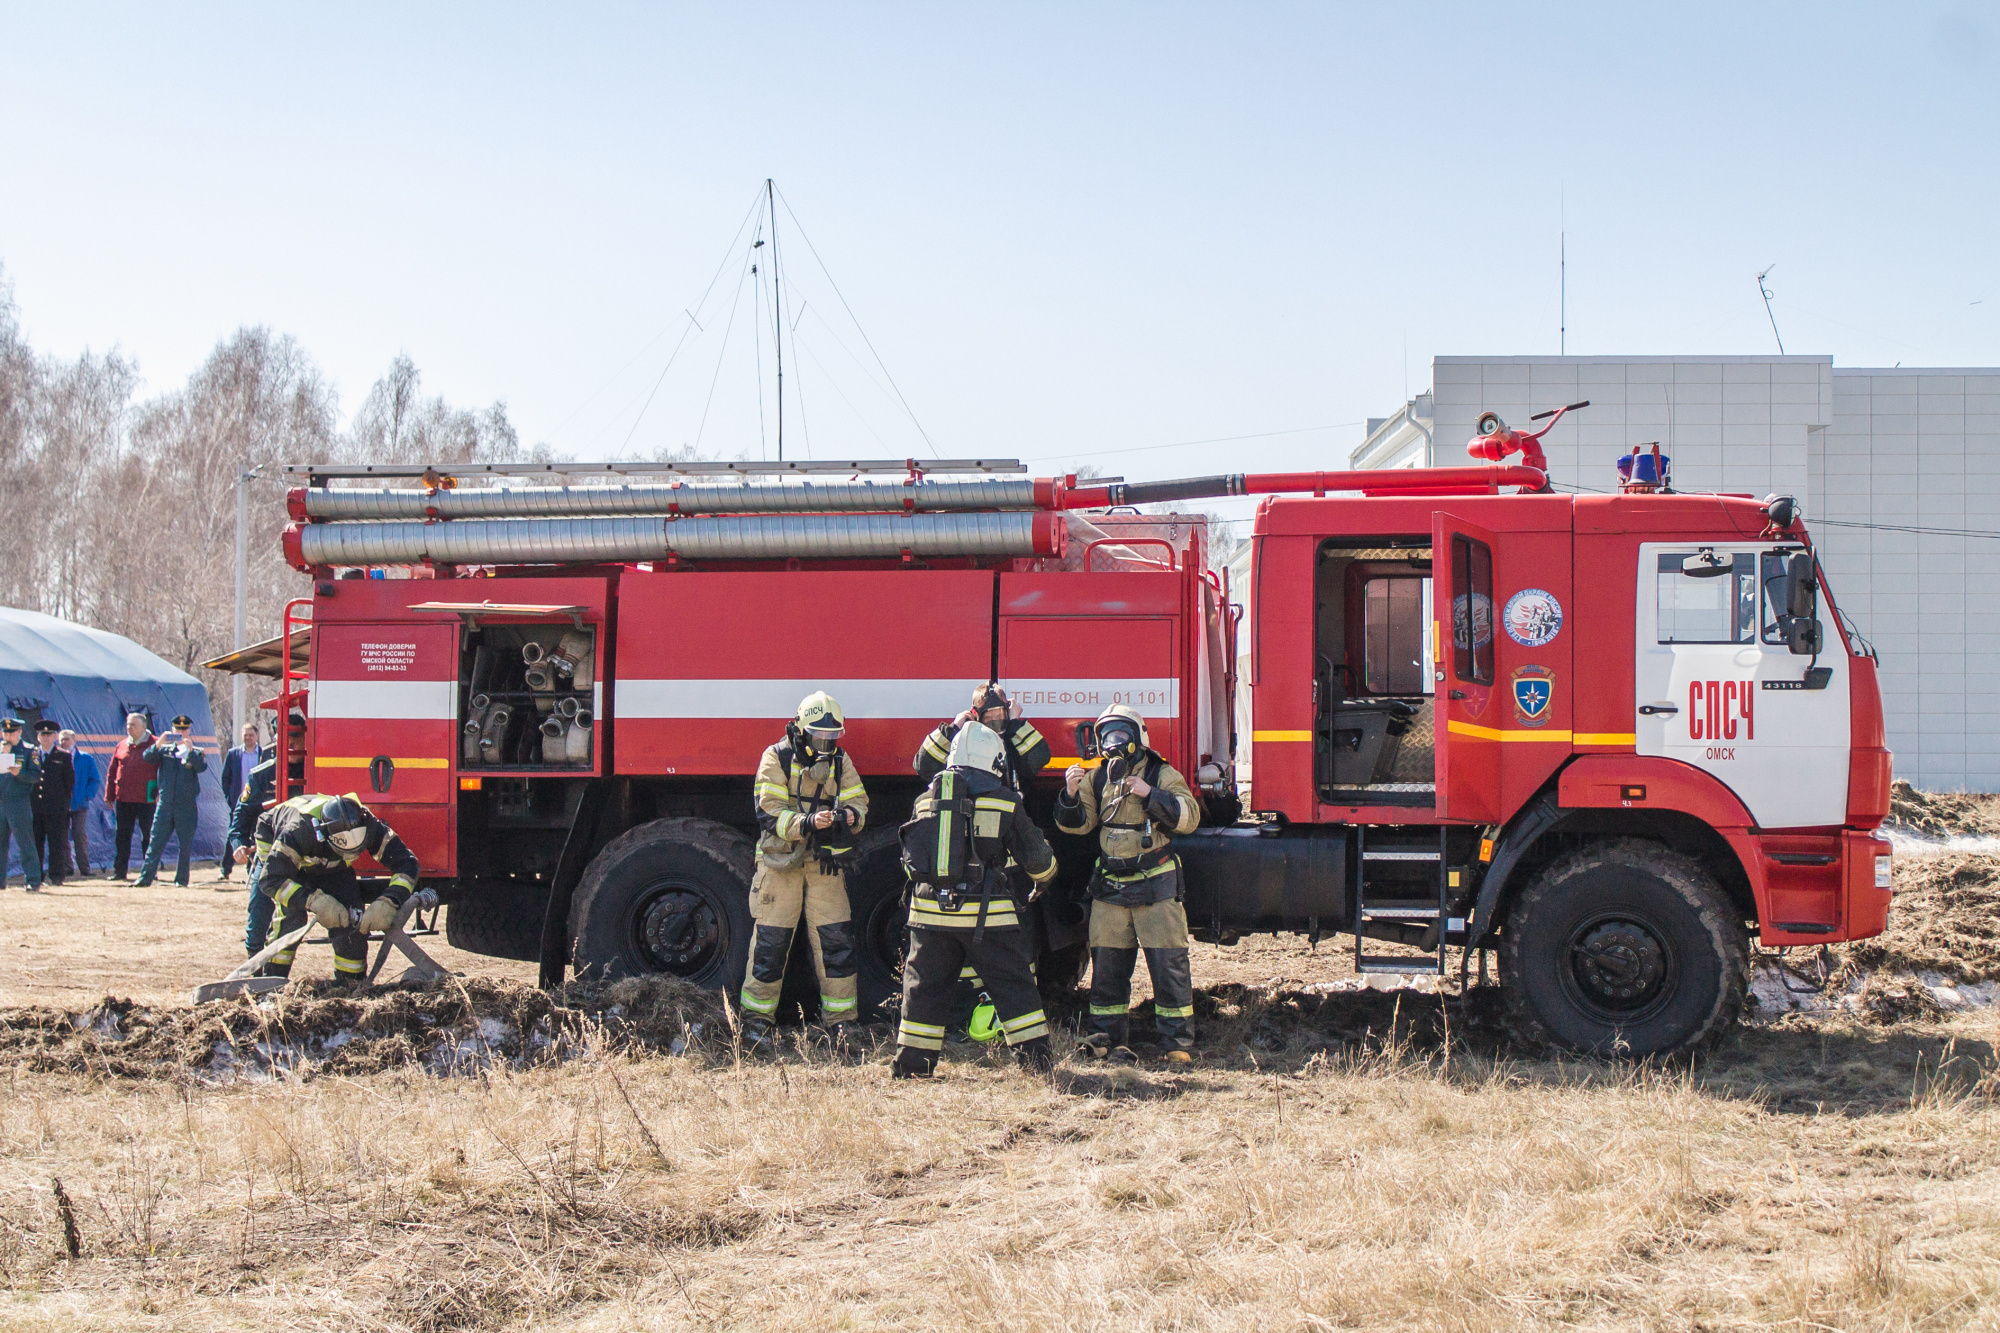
[777, 313]
[1767, 308]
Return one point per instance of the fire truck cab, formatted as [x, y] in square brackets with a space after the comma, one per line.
[1615, 738]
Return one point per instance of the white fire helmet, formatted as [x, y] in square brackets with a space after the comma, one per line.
[1119, 719]
[977, 747]
[822, 721]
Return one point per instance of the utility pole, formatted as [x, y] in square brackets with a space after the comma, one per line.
[777, 311]
[236, 684]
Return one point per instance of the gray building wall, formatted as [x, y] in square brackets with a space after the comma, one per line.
[1867, 450]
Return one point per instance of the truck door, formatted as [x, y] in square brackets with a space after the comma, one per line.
[1468, 706]
[383, 710]
[1718, 688]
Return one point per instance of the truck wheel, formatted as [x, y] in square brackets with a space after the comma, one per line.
[501, 918]
[671, 897]
[875, 895]
[1623, 948]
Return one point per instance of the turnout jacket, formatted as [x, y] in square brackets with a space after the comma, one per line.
[1025, 750]
[179, 779]
[790, 788]
[291, 855]
[1002, 835]
[1136, 864]
[20, 784]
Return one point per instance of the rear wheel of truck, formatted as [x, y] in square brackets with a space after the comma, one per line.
[1623, 948]
[671, 897]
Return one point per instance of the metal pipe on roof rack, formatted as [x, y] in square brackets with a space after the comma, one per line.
[1373, 481]
[545, 541]
[807, 497]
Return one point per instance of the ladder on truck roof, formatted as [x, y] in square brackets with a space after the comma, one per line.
[1402, 908]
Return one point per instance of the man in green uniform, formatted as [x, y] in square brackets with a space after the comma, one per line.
[964, 832]
[1136, 802]
[20, 770]
[181, 764]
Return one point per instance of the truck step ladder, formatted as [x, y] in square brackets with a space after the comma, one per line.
[1373, 903]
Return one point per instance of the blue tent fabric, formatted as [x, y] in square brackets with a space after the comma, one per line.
[89, 680]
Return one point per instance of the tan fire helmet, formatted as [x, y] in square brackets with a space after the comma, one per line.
[1121, 721]
[822, 721]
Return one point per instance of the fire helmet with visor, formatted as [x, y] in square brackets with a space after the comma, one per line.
[343, 823]
[821, 722]
[1121, 732]
[979, 748]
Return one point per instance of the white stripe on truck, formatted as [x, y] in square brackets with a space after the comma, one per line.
[889, 699]
[400, 700]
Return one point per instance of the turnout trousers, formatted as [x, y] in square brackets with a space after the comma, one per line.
[777, 899]
[350, 946]
[17, 821]
[130, 813]
[1116, 936]
[168, 821]
[257, 927]
[938, 958]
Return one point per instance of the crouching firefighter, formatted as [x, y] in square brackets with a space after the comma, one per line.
[963, 908]
[306, 850]
[810, 809]
[1136, 802]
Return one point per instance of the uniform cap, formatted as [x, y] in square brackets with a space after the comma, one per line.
[11, 724]
[976, 747]
[183, 720]
[820, 711]
[48, 726]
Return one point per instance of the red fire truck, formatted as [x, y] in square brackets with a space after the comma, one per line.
[1613, 737]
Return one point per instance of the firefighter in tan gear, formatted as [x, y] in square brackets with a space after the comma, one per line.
[1136, 802]
[810, 810]
[965, 832]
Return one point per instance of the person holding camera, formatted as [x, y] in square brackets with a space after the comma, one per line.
[810, 809]
[1136, 802]
[181, 764]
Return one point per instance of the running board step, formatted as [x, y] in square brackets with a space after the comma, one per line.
[1394, 911]
[1400, 855]
[1404, 966]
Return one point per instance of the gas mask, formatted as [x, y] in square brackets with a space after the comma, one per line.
[343, 827]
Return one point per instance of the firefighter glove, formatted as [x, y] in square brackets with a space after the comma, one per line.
[328, 910]
[378, 916]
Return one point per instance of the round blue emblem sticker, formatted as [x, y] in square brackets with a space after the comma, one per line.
[1532, 617]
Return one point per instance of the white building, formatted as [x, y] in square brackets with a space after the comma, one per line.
[1889, 464]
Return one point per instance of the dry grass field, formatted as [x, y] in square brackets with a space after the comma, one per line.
[479, 1158]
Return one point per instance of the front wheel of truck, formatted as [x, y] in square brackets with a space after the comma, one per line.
[1623, 948]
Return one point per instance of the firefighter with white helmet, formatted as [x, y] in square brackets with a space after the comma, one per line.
[306, 850]
[810, 811]
[964, 832]
[1136, 802]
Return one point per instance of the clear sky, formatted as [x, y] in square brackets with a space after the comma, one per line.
[1073, 233]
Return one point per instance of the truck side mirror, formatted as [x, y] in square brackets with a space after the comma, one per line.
[1802, 635]
[1086, 740]
[1801, 587]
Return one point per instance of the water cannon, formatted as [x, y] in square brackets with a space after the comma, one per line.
[1495, 440]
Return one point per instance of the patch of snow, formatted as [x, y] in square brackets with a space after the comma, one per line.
[1770, 999]
[1907, 841]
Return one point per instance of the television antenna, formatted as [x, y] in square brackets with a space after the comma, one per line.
[1767, 307]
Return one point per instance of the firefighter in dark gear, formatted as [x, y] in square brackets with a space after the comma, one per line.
[1025, 754]
[1136, 802]
[810, 811]
[964, 910]
[306, 850]
[260, 787]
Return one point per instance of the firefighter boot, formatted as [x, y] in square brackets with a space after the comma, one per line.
[1036, 1056]
[913, 1063]
[759, 1036]
[1100, 1046]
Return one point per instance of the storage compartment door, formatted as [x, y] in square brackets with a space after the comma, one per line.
[382, 709]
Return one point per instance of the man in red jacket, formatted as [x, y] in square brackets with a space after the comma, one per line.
[128, 790]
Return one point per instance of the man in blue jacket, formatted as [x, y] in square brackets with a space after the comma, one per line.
[89, 783]
[236, 769]
[20, 770]
[181, 765]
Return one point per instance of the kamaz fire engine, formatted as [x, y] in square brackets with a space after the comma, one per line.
[1615, 738]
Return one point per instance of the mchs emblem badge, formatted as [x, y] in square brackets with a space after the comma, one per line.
[1533, 617]
[1534, 691]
